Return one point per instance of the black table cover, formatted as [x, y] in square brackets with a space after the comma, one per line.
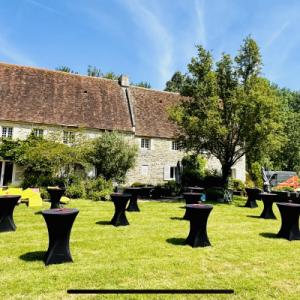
[55, 195]
[289, 221]
[190, 198]
[283, 196]
[135, 192]
[194, 189]
[7, 206]
[252, 195]
[198, 214]
[120, 202]
[268, 199]
[59, 223]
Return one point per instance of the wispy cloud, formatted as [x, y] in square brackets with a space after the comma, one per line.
[161, 40]
[14, 54]
[200, 22]
[43, 6]
[277, 33]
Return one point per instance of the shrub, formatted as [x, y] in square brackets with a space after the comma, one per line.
[44, 193]
[76, 190]
[112, 156]
[98, 189]
[236, 184]
[284, 188]
[255, 172]
[249, 182]
[171, 188]
[138, 184]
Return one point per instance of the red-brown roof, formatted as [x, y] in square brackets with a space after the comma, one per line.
[51, 97]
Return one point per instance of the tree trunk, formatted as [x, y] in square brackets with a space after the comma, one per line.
[226, 172]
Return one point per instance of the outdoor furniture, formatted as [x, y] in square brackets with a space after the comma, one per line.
[289, 221]
[283, 196]
[55, 195]
[252, 195]
[134, 192]
[198, 214]
[145, 191]
[194, 189]
[268, 199]
[294, 197]
[120, 202]
[59, 223]
[7, 206]
[190, 198]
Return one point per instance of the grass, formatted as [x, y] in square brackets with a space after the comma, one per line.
[150, 254]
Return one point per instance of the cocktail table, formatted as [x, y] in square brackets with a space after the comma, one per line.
[135, 192]
[120, 202]
[252, 195]
[59, 223]
[194, 189]
[55, 194]
[7, 206]
[268, 199]
[198, 215]
[289, 221]
[190, 198]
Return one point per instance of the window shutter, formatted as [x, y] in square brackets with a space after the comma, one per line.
[166, 172]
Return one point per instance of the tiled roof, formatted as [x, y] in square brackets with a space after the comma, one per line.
[150, 108]
[51, 97]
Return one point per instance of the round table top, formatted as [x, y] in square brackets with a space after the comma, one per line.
[10, 196]
[199, 206]
[288, 204]
[195, 188]
[55, 188]
[191, 194]
[267, 194]
[133, 188]
[120, 195]
[60, 211]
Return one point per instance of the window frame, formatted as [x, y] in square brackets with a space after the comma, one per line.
[145, 143]
[38, 132]
[68, 137]
[175, 146]
[7, 132]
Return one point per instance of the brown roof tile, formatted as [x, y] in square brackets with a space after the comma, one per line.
[51, 97]
[151, 115]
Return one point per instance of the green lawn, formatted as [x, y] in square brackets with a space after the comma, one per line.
[149, 254]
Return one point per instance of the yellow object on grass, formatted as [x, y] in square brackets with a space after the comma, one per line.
[64, 200]
[34, 198]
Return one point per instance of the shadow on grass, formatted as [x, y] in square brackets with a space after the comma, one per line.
[103, 223]
[38, 212]
[254, 217]
[176, 241]
[33, 256]
[269, 235]
[177, 218]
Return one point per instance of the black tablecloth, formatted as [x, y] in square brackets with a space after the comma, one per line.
[7, 206]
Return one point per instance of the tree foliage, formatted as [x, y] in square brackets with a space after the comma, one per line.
[229, 109]
[65, 69]
[112, 156]
[175, 84]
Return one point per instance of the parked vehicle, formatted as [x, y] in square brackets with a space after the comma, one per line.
[279, 179]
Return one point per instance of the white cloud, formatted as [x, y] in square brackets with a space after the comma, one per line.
[200, 23]
[14, 54]
[43, 6]
[161, 40]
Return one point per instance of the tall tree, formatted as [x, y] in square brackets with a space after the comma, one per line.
[228, 110]
[175, 84]
[143, 84]
[65, 69]
[94, 71]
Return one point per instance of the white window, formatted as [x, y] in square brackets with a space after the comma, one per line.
[144, 170]
[38, 132]
[175, 145]
[69, 137]
[145, 143]
[170, 172]
[7, 132]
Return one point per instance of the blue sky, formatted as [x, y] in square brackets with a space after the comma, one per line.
[149, 40]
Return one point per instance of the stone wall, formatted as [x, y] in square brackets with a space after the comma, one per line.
[152, 165]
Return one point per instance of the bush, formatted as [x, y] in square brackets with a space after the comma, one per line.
[284, 189]
[193, 170]
[138, 184]
[236, 184]
[249, 182]
[98, 189]
[44, 193]
[76, 190]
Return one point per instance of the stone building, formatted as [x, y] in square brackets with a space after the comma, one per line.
[51, 102]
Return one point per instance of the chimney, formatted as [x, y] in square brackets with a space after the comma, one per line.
[124, 80]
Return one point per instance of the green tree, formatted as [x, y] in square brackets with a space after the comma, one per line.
[94, 71]
[65, 69]
[111, 75]
[143, 84]
[229, 111]
[175, 84]
[112, 156]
